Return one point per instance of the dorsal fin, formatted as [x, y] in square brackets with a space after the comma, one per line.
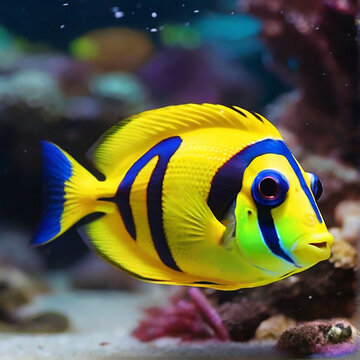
[152, 126]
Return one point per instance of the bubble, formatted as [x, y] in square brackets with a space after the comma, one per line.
[196, 11]
[65, 4]
[62, 26]
[119, 14]
[154, 14]
[153, 30]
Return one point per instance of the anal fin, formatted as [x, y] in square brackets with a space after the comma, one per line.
[109, 239]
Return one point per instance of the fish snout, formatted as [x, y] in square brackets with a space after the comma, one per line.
[312, 248]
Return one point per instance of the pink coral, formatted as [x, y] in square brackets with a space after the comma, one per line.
[187, 319]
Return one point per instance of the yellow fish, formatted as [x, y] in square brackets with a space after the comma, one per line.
[199, 195]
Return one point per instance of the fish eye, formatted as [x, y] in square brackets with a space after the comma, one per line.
[269, 188]
[316, 186]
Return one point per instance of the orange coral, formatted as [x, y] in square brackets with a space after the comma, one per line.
[113, 49]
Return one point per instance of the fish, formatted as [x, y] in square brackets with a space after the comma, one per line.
[197, 194]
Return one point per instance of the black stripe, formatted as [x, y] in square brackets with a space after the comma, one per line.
[257, 116]
[240, 112]
[166, 150]
[205, 283]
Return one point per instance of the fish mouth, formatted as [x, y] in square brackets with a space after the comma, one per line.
[319, 245]
[313, 247]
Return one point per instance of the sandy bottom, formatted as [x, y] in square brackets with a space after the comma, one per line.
[100, 326]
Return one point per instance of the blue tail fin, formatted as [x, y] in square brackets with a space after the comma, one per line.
[56, 170]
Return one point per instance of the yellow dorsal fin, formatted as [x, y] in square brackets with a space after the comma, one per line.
[150, 127]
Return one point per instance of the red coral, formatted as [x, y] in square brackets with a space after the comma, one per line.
[187, 319]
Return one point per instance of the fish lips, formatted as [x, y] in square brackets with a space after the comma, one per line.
[311, 248]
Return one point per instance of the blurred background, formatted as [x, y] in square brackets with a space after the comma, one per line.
[69, 69]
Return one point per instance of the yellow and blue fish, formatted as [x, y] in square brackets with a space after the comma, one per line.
[199, 195]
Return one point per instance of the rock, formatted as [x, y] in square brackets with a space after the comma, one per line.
[242, 316]
[332, 338]
[17, 289]
[303, 296]
[272, 328]
[43, 323]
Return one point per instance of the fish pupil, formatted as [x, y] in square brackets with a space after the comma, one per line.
[268, 187]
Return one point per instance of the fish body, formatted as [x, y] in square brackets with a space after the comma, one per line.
[199, 195]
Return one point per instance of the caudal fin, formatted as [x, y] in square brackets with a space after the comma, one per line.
[69, 193]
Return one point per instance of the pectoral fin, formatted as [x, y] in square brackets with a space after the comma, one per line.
[187, 217]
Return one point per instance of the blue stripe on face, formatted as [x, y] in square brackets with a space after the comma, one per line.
[164, 150]
[227, 183]
[269, 233]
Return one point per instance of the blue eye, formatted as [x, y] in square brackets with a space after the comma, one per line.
[316, 186]
[269, 188]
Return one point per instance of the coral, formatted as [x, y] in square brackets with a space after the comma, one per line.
[113, 49]
[33, 89]
[185, 318]
[343, 255]
[120, 87]
[71, 75]
[209, 312]
[272, 328]
[340, 181]
[177, 76]
[331, 338]
[313, 46]
[347, 215]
